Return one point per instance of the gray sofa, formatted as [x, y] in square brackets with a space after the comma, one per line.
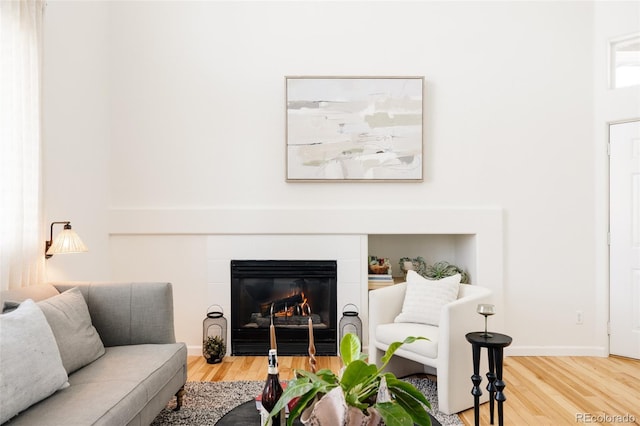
[141, 367]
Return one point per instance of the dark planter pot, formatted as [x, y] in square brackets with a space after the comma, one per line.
[213, 360]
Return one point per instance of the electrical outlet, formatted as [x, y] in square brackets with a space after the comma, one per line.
[579, 317]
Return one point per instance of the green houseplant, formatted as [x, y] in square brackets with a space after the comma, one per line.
[444, 269]
[418, 264]
[436, 271]
[213, 349]
[361, 384]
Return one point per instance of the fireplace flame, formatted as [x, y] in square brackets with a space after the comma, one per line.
[305, 308]
[295, 304]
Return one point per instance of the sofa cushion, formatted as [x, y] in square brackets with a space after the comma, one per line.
[386, 334]
[77, 339]
[113, 389]
[30, 365]
[425, 298]
[129, 313]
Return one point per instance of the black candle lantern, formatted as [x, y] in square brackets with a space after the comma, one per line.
[350, 322]
[214, 334]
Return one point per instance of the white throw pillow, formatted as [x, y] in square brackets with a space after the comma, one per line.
[30, 365]
[77, 338]
[425, 298]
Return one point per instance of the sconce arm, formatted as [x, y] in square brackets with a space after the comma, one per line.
[48, 243]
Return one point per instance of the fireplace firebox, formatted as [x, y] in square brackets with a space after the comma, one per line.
[287, 292]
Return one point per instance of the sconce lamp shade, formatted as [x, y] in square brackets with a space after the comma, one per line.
[67, 241]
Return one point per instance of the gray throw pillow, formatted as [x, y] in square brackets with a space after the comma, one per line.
[77, 338]
[30, 364]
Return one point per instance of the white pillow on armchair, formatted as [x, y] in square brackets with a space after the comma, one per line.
[425, 298]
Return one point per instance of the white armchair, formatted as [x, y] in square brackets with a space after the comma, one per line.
[447, 354]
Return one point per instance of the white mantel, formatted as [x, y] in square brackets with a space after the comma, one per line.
[321, 233]
[308, 220]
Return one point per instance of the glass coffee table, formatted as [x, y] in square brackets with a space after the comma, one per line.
[244, 414]
[247, 414]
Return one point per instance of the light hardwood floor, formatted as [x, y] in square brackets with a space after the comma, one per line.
[540, 390]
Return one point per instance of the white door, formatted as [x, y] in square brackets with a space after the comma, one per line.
[624, 217]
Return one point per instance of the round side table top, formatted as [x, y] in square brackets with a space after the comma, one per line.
[496, 340]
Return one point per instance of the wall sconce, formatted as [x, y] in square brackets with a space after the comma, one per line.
[67, 241]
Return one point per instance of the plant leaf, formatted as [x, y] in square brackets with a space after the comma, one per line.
[350, 348]
[397, 386]
[325, 376]
[393, 414]
[305, 400]
[328, 376]
[295, 389]
[306, 387]
[416, 410]
[351, 398]
[357, 372]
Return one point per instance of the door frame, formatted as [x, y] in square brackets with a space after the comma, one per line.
[608, 125]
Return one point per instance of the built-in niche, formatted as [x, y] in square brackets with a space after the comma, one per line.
[459, 249]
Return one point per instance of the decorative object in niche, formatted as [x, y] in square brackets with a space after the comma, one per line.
[436, 271]
[355, 129]
[379, 265]
[443, 269]
[417, 264]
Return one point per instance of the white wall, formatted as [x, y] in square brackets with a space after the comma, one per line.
[180, 106]
[76, 131]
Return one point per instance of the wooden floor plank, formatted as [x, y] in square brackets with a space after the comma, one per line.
[540, 390]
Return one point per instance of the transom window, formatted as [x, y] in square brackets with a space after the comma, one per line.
[624, 62]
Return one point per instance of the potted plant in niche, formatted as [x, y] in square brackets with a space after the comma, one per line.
[436, 271]
[444, 269]
[362, 391]
[418, 264]
[213, 349]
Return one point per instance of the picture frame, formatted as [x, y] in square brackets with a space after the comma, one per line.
[354, 129]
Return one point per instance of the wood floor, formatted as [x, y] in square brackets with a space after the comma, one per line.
[540, 390]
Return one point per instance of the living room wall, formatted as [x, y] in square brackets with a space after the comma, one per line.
[179, 106]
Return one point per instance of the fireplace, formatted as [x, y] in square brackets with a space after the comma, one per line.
[289, 292]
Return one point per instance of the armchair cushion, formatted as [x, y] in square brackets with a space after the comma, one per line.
[396, 332]
[425, 298]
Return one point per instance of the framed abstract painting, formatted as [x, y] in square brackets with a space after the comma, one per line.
[354, 129]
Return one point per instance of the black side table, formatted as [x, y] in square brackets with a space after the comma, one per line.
[495, 345]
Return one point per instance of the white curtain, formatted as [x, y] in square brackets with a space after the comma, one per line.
[21, 236]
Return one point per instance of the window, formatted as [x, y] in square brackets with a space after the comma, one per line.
[21, 250]
[624, 62]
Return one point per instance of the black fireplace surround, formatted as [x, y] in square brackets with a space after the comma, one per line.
[287, 292]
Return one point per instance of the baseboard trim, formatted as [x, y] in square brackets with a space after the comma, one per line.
[598, 351]
[196, 350]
